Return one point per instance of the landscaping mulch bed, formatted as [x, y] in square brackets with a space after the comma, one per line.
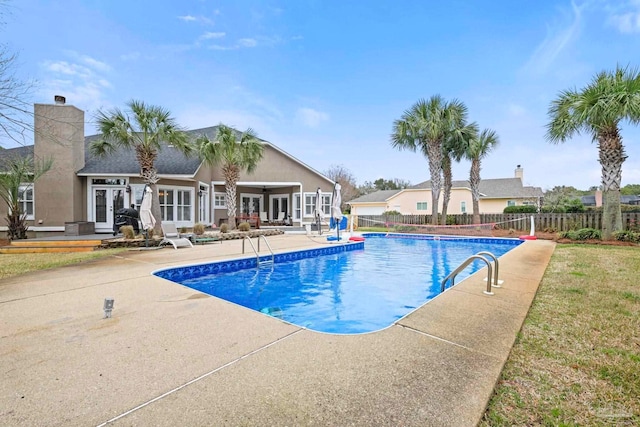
[139, 241]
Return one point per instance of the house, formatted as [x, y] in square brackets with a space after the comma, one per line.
[495, 195]
[83, 188]
[596, 199]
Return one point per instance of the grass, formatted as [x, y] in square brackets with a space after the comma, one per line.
[14, 265]
[576, 361]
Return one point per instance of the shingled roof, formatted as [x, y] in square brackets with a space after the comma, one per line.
[170, 160]
[123, 161]
[494, 188]
[376, 197]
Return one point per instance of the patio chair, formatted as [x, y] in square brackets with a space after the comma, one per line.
[171, 236]
[264, 219]
[280, 220]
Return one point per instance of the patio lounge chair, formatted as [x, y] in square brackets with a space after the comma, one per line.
[264, 219]
[171, 236]
[280, 220]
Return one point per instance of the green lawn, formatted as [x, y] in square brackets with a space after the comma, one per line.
[14, 265]
[576, 361]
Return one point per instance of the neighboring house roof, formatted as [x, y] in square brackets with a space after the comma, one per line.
[493, 188]
[625, 200]
[375, 197]
[588, 200]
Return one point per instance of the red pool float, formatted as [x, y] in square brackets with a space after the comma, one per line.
[356, 238]
[528, 237]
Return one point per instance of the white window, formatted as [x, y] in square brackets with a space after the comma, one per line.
[297, 206]
[176, 204]
[183, 205]
[310, 203]
[463, 207]
[25, 197]
[511, 203]
[219, 201]
[421, 206]
[166, 204]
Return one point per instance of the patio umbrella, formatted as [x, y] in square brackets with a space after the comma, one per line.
[317, 211]
[336, 211]
[146, 217]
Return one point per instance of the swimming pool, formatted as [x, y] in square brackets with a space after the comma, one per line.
[343, 289]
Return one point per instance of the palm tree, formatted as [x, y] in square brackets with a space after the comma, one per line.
[16, 180]
[454, 148]
[234, 155]
[598, 109]
[145, 129]
[425, 127]
[479, 146]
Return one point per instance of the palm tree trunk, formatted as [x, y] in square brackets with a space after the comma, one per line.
[231, 176]
[611, 154]
[474, 183]
[434, 153]
[446, 193]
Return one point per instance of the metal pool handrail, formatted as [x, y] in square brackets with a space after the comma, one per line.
[495, 268]
[258, 250]
[464, 265]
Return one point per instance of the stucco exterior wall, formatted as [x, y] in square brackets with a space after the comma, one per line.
[277, 167]
[59, 195]
[368, 209]
[495, 205]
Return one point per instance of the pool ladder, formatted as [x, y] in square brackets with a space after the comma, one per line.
[257, 252]
[492, 280]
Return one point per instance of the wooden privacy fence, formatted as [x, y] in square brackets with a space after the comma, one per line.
[552, 222]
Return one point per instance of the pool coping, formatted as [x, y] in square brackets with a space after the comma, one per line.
[194, 359]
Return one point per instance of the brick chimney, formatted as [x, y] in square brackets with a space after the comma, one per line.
[519, 173]
[598, 195]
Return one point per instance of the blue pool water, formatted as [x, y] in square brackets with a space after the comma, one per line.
[361, 288]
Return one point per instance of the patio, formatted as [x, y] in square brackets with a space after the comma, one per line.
[173, 356]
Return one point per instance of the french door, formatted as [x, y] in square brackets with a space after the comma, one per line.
[278, 203]
[250, 204]
[106, 201]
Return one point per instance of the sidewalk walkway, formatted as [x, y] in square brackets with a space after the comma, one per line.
[173, 356]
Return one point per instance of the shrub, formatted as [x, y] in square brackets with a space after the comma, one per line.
[244, 226]
[627, 236]
[574, 206]
[224, 228]
[183, 229]
[520, 209]
[127, 232]
[198, 229]
[582, 234]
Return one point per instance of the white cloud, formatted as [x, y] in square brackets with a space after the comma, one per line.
[82, 81]
[557, 40]
[212, 35]
[247, 42]
[628, 22]
[198, 19]
[310, 117]
[515, 110]
[130, 56]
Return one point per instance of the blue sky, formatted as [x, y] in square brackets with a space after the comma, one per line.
[324, 80]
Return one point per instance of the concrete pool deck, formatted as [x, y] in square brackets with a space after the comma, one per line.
[173, 356]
